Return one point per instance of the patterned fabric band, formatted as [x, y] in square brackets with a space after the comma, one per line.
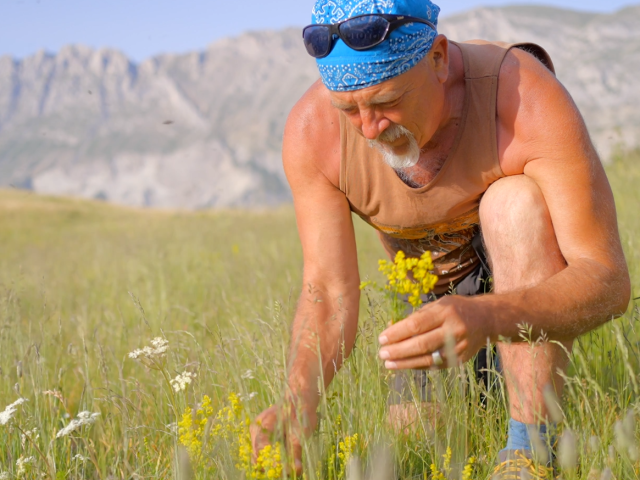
[345, 69]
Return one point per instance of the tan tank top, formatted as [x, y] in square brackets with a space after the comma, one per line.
[441, 216]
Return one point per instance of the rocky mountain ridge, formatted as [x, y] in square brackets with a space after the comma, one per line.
[204, 129]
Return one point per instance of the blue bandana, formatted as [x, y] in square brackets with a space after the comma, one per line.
[345, 69]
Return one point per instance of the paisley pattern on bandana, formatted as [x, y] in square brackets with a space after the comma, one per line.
[345, 69]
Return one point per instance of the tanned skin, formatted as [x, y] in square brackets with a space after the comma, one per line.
[580, 279]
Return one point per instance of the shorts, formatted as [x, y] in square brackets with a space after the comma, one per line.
[477, 282]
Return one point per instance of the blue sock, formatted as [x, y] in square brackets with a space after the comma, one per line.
[519, 439]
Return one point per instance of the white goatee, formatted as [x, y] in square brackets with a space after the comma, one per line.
[394, 160]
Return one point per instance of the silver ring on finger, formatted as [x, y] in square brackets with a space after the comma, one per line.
[437, 358]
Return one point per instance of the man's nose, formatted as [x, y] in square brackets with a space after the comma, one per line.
[373, 124]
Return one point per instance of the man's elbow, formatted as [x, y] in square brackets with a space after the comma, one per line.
[619, 291]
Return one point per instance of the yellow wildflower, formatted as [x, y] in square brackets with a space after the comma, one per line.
[191, 427]
[447, 460]
[398, 281]
[436, 473]
[345, 451]
[269, 463]
[468, 469]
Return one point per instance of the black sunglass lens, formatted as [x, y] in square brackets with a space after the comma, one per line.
[364, 32]
[317, 40]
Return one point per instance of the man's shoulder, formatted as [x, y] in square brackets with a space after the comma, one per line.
[529, 99]
[522, 78]
[312, 134]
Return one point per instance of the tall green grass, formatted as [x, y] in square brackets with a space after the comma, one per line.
[82, 284]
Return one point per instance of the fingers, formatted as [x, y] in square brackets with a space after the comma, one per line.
[262, 429]
[262, 432]
[422, 321]
[296, 450]
[415, 346]
[417, 362]
[425, 360]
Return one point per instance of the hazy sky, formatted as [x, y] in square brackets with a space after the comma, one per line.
[142, 28]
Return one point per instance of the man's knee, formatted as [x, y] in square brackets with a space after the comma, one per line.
[512, 204]
[518, 233]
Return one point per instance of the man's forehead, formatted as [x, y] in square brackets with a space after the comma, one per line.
[378, 94]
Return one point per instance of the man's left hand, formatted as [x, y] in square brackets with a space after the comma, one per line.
[454, 326]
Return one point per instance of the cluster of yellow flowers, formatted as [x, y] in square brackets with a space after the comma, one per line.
[468, 469]
[398, 280]
[437, 474]
[269, 463]
[231, 424]
[345, 450]
[192, 426]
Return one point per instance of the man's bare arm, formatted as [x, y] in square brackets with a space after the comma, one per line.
[550, 144]
[326, 318]
[325, 323]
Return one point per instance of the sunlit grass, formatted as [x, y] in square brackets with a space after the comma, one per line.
[82, 284]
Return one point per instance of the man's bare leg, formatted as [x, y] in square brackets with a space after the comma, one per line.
[523, 251]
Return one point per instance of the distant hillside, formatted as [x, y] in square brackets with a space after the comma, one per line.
[204, 129]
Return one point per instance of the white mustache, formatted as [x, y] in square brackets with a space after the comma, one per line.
[395, 161]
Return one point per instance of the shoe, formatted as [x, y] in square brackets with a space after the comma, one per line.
[519, 465]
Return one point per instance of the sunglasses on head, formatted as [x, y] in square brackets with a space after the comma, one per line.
[359, 33]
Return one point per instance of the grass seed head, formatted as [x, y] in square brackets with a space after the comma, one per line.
[10, 410]
[607, 474]
[23, 465]
[568, 450]
[552, 403]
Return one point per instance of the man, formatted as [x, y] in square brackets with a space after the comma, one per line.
[431, 142]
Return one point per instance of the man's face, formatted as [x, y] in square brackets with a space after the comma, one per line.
[398, 116]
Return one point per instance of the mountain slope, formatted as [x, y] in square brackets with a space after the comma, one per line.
[204, 129]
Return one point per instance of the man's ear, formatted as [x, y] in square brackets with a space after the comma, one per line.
[439, 57]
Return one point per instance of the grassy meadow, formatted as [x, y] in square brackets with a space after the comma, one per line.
[83, 284]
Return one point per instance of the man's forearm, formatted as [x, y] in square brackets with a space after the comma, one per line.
[323, 335]
[576, 300]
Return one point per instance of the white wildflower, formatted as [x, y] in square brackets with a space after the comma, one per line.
[8, 412]
[249, 396]
[23, 465]
[247, 375]
[83, 418]
[5, 475]
[181, 381]
[157, 350]
[80, 458]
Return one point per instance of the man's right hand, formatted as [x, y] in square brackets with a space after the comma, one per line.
[280, 418]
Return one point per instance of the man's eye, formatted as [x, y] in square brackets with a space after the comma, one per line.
[391, 104]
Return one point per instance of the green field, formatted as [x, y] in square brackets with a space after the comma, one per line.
[82, 284]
